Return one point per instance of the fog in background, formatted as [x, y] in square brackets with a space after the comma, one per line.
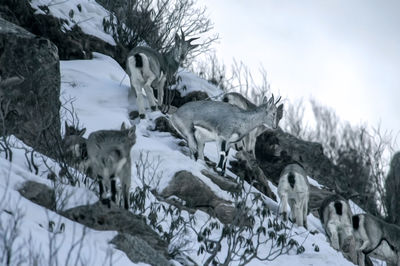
[345, 54]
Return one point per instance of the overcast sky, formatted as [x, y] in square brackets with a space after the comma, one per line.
[344, 53]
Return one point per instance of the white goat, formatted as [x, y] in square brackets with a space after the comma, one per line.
[149, 69]
[336, 218]
[293, 188]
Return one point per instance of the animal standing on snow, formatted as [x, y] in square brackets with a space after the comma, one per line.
[204, 121]
[149, 69]
[377, 239]
[249, 141]
[293, 188]
[109, 155]
[335, 215]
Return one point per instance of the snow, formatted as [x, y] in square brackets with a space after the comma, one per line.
[101, 102]
[89, 19]
[34, 235]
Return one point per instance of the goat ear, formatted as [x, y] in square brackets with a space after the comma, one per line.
[131, 132]
[123, 127]
[177, 38]
[66, 128]
[82, 131]
[279, 113]
[191, 47]
[271, 100]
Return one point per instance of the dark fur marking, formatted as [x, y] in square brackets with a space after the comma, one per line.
[138, 60]
[380, 242]
[338, 207]
[291, 179]
[113, 189]
[118, 153]
[84, 153]
[356, 222]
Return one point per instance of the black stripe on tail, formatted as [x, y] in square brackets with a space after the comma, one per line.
[291, 179]
[138, 60]
[338, 207]
[356, 221]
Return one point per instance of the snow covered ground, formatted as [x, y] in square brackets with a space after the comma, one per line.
[101, 102]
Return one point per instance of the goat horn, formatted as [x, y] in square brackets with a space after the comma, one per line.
[192, 39]
[183, 35]
[278, 99]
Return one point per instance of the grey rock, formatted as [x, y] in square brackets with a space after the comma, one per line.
[33, 102]
[198, 195]
[139, 250]
[190, 97]
[99, 217]
[39, 193]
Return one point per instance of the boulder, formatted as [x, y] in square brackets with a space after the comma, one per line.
[139, 250]
[39, 193]
[178, 100]
[132, 228]
[392, 186]
[29, 88]
[198, 195]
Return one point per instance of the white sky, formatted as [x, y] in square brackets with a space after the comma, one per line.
[344, 53]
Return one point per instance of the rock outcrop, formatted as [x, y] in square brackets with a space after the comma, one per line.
[197, 195]
[29, 88]
[392, 187]
[132, 230]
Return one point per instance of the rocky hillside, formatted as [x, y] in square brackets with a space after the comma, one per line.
[182, 211]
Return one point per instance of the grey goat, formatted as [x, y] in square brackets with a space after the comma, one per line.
[205, 121]
[107, 155]
[249, 141]
[376, 238]
[149, 69]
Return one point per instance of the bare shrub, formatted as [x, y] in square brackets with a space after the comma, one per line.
[254, 233]
[155, 22]
[360, 152]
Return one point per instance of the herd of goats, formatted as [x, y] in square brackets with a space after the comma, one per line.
[232, 122]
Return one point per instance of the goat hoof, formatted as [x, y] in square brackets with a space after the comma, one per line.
[346, 244]
[142, 116]
[153, 108]
[106, 202]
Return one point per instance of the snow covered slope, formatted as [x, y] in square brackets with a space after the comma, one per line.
[101, 102]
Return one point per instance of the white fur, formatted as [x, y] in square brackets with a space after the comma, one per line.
[141, 81]
[297, 197]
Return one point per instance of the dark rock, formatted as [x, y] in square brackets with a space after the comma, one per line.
[133, 115]
[293, 150]
[163, 124]
[131, 227]
[247, 168]
[72, 44]
[178, 100]
[39, 194]
[29, 87]
[392, 186]
[138, 250]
